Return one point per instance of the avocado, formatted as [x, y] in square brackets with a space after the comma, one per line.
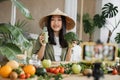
[41, 71]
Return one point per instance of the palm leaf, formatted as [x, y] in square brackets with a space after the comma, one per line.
[23, 10]
[20, 24]
[12, 46]
[19, 39]
[3, 28]
[4, 32]
[10, 50]
[17, 36]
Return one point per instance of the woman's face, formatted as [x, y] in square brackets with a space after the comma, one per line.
[56, 23]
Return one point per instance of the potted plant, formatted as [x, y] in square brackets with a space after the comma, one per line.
[99, 20]
[90, 24]
[12, 40]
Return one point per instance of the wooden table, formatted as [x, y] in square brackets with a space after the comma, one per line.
[17, 79]
[79, 77]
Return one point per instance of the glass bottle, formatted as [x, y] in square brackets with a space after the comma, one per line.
[45, 33]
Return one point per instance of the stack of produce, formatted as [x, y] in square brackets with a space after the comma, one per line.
[13, 70]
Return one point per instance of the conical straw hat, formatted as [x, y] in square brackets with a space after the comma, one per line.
[69, 21]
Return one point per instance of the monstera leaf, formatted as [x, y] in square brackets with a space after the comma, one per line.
[88, 24]
[109, 10]
[117, 38]
[99, 20]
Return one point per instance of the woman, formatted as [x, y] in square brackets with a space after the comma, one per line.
[56, 49]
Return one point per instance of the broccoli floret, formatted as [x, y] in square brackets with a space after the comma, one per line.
[70, 37]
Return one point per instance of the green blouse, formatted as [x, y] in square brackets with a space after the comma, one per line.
[49, 51]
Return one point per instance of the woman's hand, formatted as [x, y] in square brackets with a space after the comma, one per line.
[42, 48]
[41, 39]
[72, 44]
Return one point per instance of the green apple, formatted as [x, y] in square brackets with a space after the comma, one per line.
[76, 68]
[46, 63]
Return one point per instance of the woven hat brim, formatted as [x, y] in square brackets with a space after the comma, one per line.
[69, 21]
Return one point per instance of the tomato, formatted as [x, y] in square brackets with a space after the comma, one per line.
[52, 69]
[27, 75]
[62, 70]
[56, 71]
[58, 68]
[114, 72]
[48, 69]
[22, 76]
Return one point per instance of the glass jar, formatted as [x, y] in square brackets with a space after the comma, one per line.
[35, 61]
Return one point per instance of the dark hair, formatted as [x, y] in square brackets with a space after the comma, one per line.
[51, 39]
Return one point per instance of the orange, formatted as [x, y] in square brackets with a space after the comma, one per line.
[5, 71]
[29, 69]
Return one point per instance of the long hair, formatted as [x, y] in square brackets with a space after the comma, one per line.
[51, 39]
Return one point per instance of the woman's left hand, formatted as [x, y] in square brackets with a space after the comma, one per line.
[72, 44]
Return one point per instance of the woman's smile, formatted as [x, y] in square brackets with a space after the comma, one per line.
[56, 23]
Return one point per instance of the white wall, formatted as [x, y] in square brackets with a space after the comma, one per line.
[71, 10]
[104, 31]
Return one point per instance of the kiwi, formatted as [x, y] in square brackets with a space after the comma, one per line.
[87, 72]
[13, 75]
